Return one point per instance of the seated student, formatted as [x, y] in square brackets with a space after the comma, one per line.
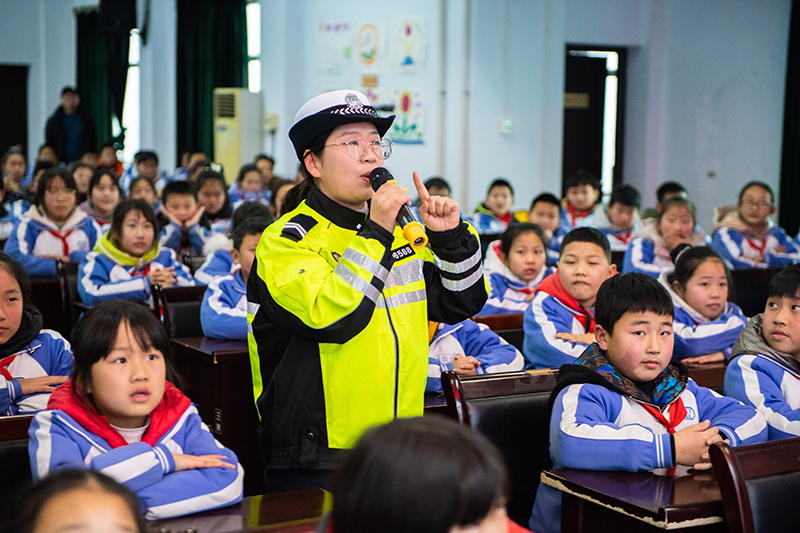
[108, 158]
[199, 166]
[247, 187]
[121, 415]
[33, 361]
[747, 238]
[53, 228]
[145, 164]
[623, 405]
[76, 500]
[279, 189]
[219, 260]
[104, 193]
[494, 214]
[13, 169]
[620, 217]
[7, 219]
[182, 222]
[189, 158]
[20, 202]
[581, 196]
[45, 153]
[559, 323]
[468, 348]
[128, 260]
[648, 251]
[265, 165]
[512, 283]
[764, 370]
[141, 188]
[706, 324]
[223, 314]
[665, 191]
[212, 196]
[421, 475]
[82, 174]
[546, 212]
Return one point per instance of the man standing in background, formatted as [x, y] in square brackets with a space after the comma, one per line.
[70, 130]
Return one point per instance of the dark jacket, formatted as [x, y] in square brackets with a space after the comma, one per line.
[55, 133]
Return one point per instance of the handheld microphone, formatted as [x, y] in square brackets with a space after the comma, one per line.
[413, 231]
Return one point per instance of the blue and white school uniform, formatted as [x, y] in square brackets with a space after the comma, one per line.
[767, 379]
[469, 338]
[508, 293]
[618, 238]
[747, 251]
[218, 263]
[223, 314]
[130, 174]
[171, 236]
[696, 335]
[647, 252]
[35, 235]
[571, 219]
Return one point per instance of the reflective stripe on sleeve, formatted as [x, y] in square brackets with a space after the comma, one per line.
[461, 266]
[352, 279]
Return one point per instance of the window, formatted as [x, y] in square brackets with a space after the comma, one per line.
[131, 114]
[253, 46]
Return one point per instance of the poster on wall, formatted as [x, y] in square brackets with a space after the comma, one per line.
[335, 48]
[369, 45]
[408, 44]
[409, 124]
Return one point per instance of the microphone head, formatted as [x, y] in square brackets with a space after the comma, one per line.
[378, 177]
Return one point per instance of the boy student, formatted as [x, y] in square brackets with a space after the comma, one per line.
[182, 222]
[494, 214]
[665, 191]
[546, 212]
[747, 238]
[145, 164]
[619, 218]
[765, 367]
[624, 405]
[581, 194]
[559, 323]
[223, 314]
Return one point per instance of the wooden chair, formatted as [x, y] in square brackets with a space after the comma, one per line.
[511, 410]
[194, 262]
[179, 309]
[68, 277]
[15, 467]
[760, 485]
[508, 326]
[750, 288]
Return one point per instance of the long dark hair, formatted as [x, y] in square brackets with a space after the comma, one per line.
[16, 271]
[688, 258]
[299, 192]
[226, 211]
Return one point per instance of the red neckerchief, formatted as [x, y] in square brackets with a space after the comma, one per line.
[167, 412]
[505, 218]
[552, 286]
[624, 238]
[63, 238]
[144, 272]
[754, 244]
[4, 363]
[575, 215]
[677, 412]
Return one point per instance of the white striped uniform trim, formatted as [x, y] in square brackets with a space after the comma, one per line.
[405, 274]
[462, 284]
[461, 266]
[252, 308]
[366, 262]
[297, 227]
[397, 300]
[352, 279]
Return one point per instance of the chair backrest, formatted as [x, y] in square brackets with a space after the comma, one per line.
[193, 262]
[68, 274]
[179, 309]
[15, 469]
[508, 326]
[760, 485]
[750, 288]
[511, 410]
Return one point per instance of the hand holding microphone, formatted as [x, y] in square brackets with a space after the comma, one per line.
[386, 200]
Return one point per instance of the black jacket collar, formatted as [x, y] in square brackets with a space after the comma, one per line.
[335, 212]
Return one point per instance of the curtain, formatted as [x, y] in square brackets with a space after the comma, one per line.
[102, 72]
[212, 52]
[789, 217]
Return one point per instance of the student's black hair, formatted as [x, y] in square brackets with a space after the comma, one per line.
[299, 192]
[757, 183]
[630, 293]
[98, 174]
[259, 157]
[249, 167]
[251, 226]
[581, 177]
[666, 205]
[42, 147]
[500, 182]
[135, 181]
[547, 198]
[417, 475]
[33, 499]
[668, 187]
[75, 165]
[16, 149]
[250, 209]
[785, 283]
[199, 166]
[274, 187]
[47, 178]
[687, 258]
[626, 195]
[515, 230]
[587, 234]
[183, 188]
[145, 155]
[109, 144]
[15, 270]
[125, 207]
[96, 335]
[209, 175]
[41, 164]
[438, 182]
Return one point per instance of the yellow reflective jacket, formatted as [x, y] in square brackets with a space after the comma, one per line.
[337, 316]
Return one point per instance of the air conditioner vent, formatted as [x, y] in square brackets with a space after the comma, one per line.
[225, 105]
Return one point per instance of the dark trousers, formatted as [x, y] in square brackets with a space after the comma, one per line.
[296, 478]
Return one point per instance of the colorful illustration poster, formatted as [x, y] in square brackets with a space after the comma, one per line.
[409, 125]
[408, 45]
[368, 45]
[335, 48]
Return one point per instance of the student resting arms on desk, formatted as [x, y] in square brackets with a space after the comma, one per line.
[624, 405]
[339, 301]
[121, 416]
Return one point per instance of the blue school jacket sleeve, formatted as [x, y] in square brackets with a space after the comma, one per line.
[20, 245]
[170, 236]
[718, 335]
[639, 257]
[728, 244]
[219, 314]
[759, 382]
[542, 320]
[198, 235]
[740, 423]
[218, 263]
[94, 281]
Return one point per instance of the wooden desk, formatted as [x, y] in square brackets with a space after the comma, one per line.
[641, 501]
[297, 511]
[711, 375]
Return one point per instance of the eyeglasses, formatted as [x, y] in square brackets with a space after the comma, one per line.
[59, 192]
[760, 205]
[357, 148]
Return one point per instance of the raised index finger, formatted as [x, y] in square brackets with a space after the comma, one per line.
[421, 190]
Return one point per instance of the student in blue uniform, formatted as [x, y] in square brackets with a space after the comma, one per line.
[581, 199]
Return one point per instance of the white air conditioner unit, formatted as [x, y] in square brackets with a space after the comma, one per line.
[237, 128]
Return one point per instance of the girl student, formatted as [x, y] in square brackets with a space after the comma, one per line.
[339, 301]
[247, 187]
[648, 251]
[212, 194]
[103, 194]
[143, 188]
[82, 174]
[280, 188]
[128, 260]
[33, 361]
[706, 324]
[53, 228]
[521, 254]
[13, 169]
[121, 415]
